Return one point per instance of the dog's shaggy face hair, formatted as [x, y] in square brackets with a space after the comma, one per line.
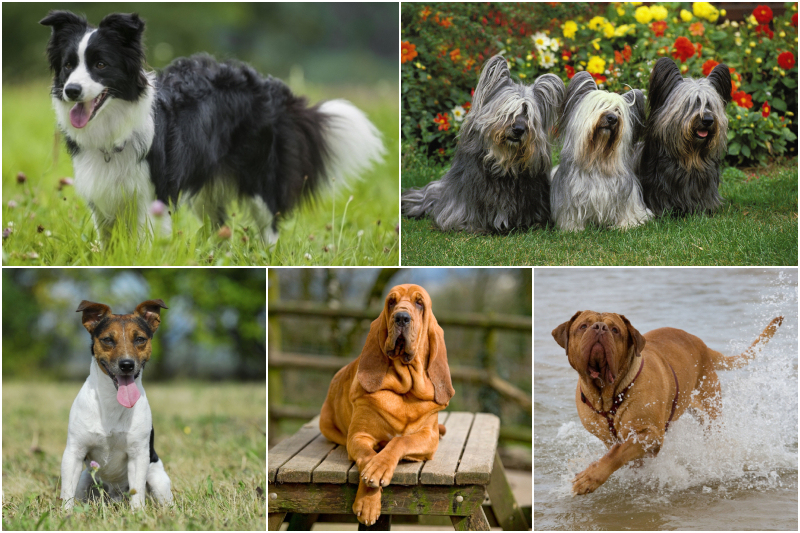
[498, 178]
[594, 182]
[685, 139]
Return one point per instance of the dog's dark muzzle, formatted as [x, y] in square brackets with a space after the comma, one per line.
[518, 129]
[609, 121]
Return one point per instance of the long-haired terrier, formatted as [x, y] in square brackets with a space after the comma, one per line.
[594, 181]
[499, 177]
[684, 141]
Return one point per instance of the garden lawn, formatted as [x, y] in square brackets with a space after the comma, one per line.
[46, 223]
[757, 226]
[211, 438]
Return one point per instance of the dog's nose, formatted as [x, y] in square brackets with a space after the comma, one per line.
[600, 326]
[611, 119]
[73, 91]
[402, 319]
[126, 365]
[708, 121]
[519, 127]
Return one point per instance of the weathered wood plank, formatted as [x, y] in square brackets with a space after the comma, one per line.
[478, 456]
[329, 498]
[504, 504]
[275, 521]
[441, 470]
[298, 469]
[288, 448]
[474, 522]
[334, 468]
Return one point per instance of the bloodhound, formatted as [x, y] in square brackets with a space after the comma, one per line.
[383, 406]
[631, 386]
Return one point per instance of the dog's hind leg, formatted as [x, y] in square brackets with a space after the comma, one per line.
[264, 219]
[706, 399]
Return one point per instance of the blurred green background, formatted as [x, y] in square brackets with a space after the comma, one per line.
[327, 43]
[215, 327]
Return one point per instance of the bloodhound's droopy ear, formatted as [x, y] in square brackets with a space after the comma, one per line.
[373, 362]
[561, 333]
[438, 369]
[635, 338]
[93, 313]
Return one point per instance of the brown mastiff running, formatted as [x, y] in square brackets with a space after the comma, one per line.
[383, 406]
[631, 386]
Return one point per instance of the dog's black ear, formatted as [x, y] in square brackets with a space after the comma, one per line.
[93, 313]
[635, 99]
[150, 311]
[64, 26]
[664, 78]
[561, 333]
[720, 80]
[548, 92]
[127, 25]
[60, 19]
[495, 74]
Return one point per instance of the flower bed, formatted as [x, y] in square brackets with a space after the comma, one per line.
[444, 46]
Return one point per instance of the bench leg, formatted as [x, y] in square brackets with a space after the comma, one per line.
[275, 521]
[474, 522]
[504, 505]
[302, 522]
[383, 523]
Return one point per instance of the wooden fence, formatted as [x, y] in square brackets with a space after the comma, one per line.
[489, 324]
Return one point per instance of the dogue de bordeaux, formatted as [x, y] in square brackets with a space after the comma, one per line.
[631, 386]
[383, 406]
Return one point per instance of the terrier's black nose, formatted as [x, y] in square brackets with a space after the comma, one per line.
[611, 119]
[73, 91]
[126, 365]
[402, 319]
[708, 121]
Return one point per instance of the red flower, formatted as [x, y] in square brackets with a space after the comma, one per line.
[443, 120]
[765, 110]
[764, 28]
[599, 78]
[699, 48]
[683, 49]
[570, 71]
[408, 52]
[455, 55]
[743, 99]
[786, 60]
[425, 13]
[659, 27]
[708, 66]
[763, 14]
[794, 20]
[467, 107]
[697, 29]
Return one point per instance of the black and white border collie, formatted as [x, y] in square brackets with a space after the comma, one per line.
[206, 131]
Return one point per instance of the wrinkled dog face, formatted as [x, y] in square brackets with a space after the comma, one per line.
[599, 345]
[405, 311]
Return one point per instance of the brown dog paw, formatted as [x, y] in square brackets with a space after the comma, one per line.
[367, 505]
[588, 480]
[379, 471]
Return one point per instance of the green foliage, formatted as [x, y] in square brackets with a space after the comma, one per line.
[617, 43]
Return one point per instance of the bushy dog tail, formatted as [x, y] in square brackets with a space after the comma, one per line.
[353, 143]
[738, 361]
[416, 203]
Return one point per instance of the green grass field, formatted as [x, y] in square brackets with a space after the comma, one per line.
[210, 437]
[757, 226]
[48, 224]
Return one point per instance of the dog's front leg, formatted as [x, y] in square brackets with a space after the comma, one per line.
[633, 446]
[367, 504]
[138, 462]
[419, 446]
[71, 466]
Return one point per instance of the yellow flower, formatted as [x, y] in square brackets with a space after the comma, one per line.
[621, 30]
[747, 51]
[643, 15]
[596, 65]
[522, 75]
[752, 20]
[782, 34]
[752, 44]
[529, 57]
[738, 41]
[620, 11]
[723, 12]
[738, 117]
[758, 60]
[636, 3]
[569, 29]
[595, 43]
[596, 23]
[608, 31]
[684, 68]
[705, 10]
[658, 12]
[685, 15]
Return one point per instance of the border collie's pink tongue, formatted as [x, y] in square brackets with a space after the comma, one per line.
[79, 115]
[128, 392]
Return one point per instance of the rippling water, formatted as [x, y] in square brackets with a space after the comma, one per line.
[742, 474]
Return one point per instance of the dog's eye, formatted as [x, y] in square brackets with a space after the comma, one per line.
[108, 341]
[419, 304]
[615, 331]
[392, 302]
[100, 65]
[139, 341]
[68, 65]
[583, 326]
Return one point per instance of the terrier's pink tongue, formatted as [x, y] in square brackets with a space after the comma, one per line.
[79, 116]
[701, 133]
[128, 392]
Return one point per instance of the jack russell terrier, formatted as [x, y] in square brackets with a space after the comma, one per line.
[110, 421]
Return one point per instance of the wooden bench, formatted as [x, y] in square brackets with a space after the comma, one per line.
[310, 476]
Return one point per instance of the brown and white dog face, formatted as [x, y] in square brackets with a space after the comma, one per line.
[121, 344]
[406, 310]
[600, 346]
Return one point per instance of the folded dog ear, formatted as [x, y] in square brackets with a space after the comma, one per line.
[548, 92]
[494, 74]
[579, 86]
[127, 25]
[150, 311]
[634, 337]
[373, 363]
[93, 313]
[438, 369]
[720, 79]
[663, 80]
[561, 333]
[635, 99]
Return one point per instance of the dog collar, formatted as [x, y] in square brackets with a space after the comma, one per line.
[117, 149]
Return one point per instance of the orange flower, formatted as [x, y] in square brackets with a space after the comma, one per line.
[708, 66]
[697, 29]
[683, 49]
[765, 109]
[743, 99]
[443, 120]
[408, 52]
[455, 55]
[763, 14]
[425, 13]
[659, 27]
[627, 52]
